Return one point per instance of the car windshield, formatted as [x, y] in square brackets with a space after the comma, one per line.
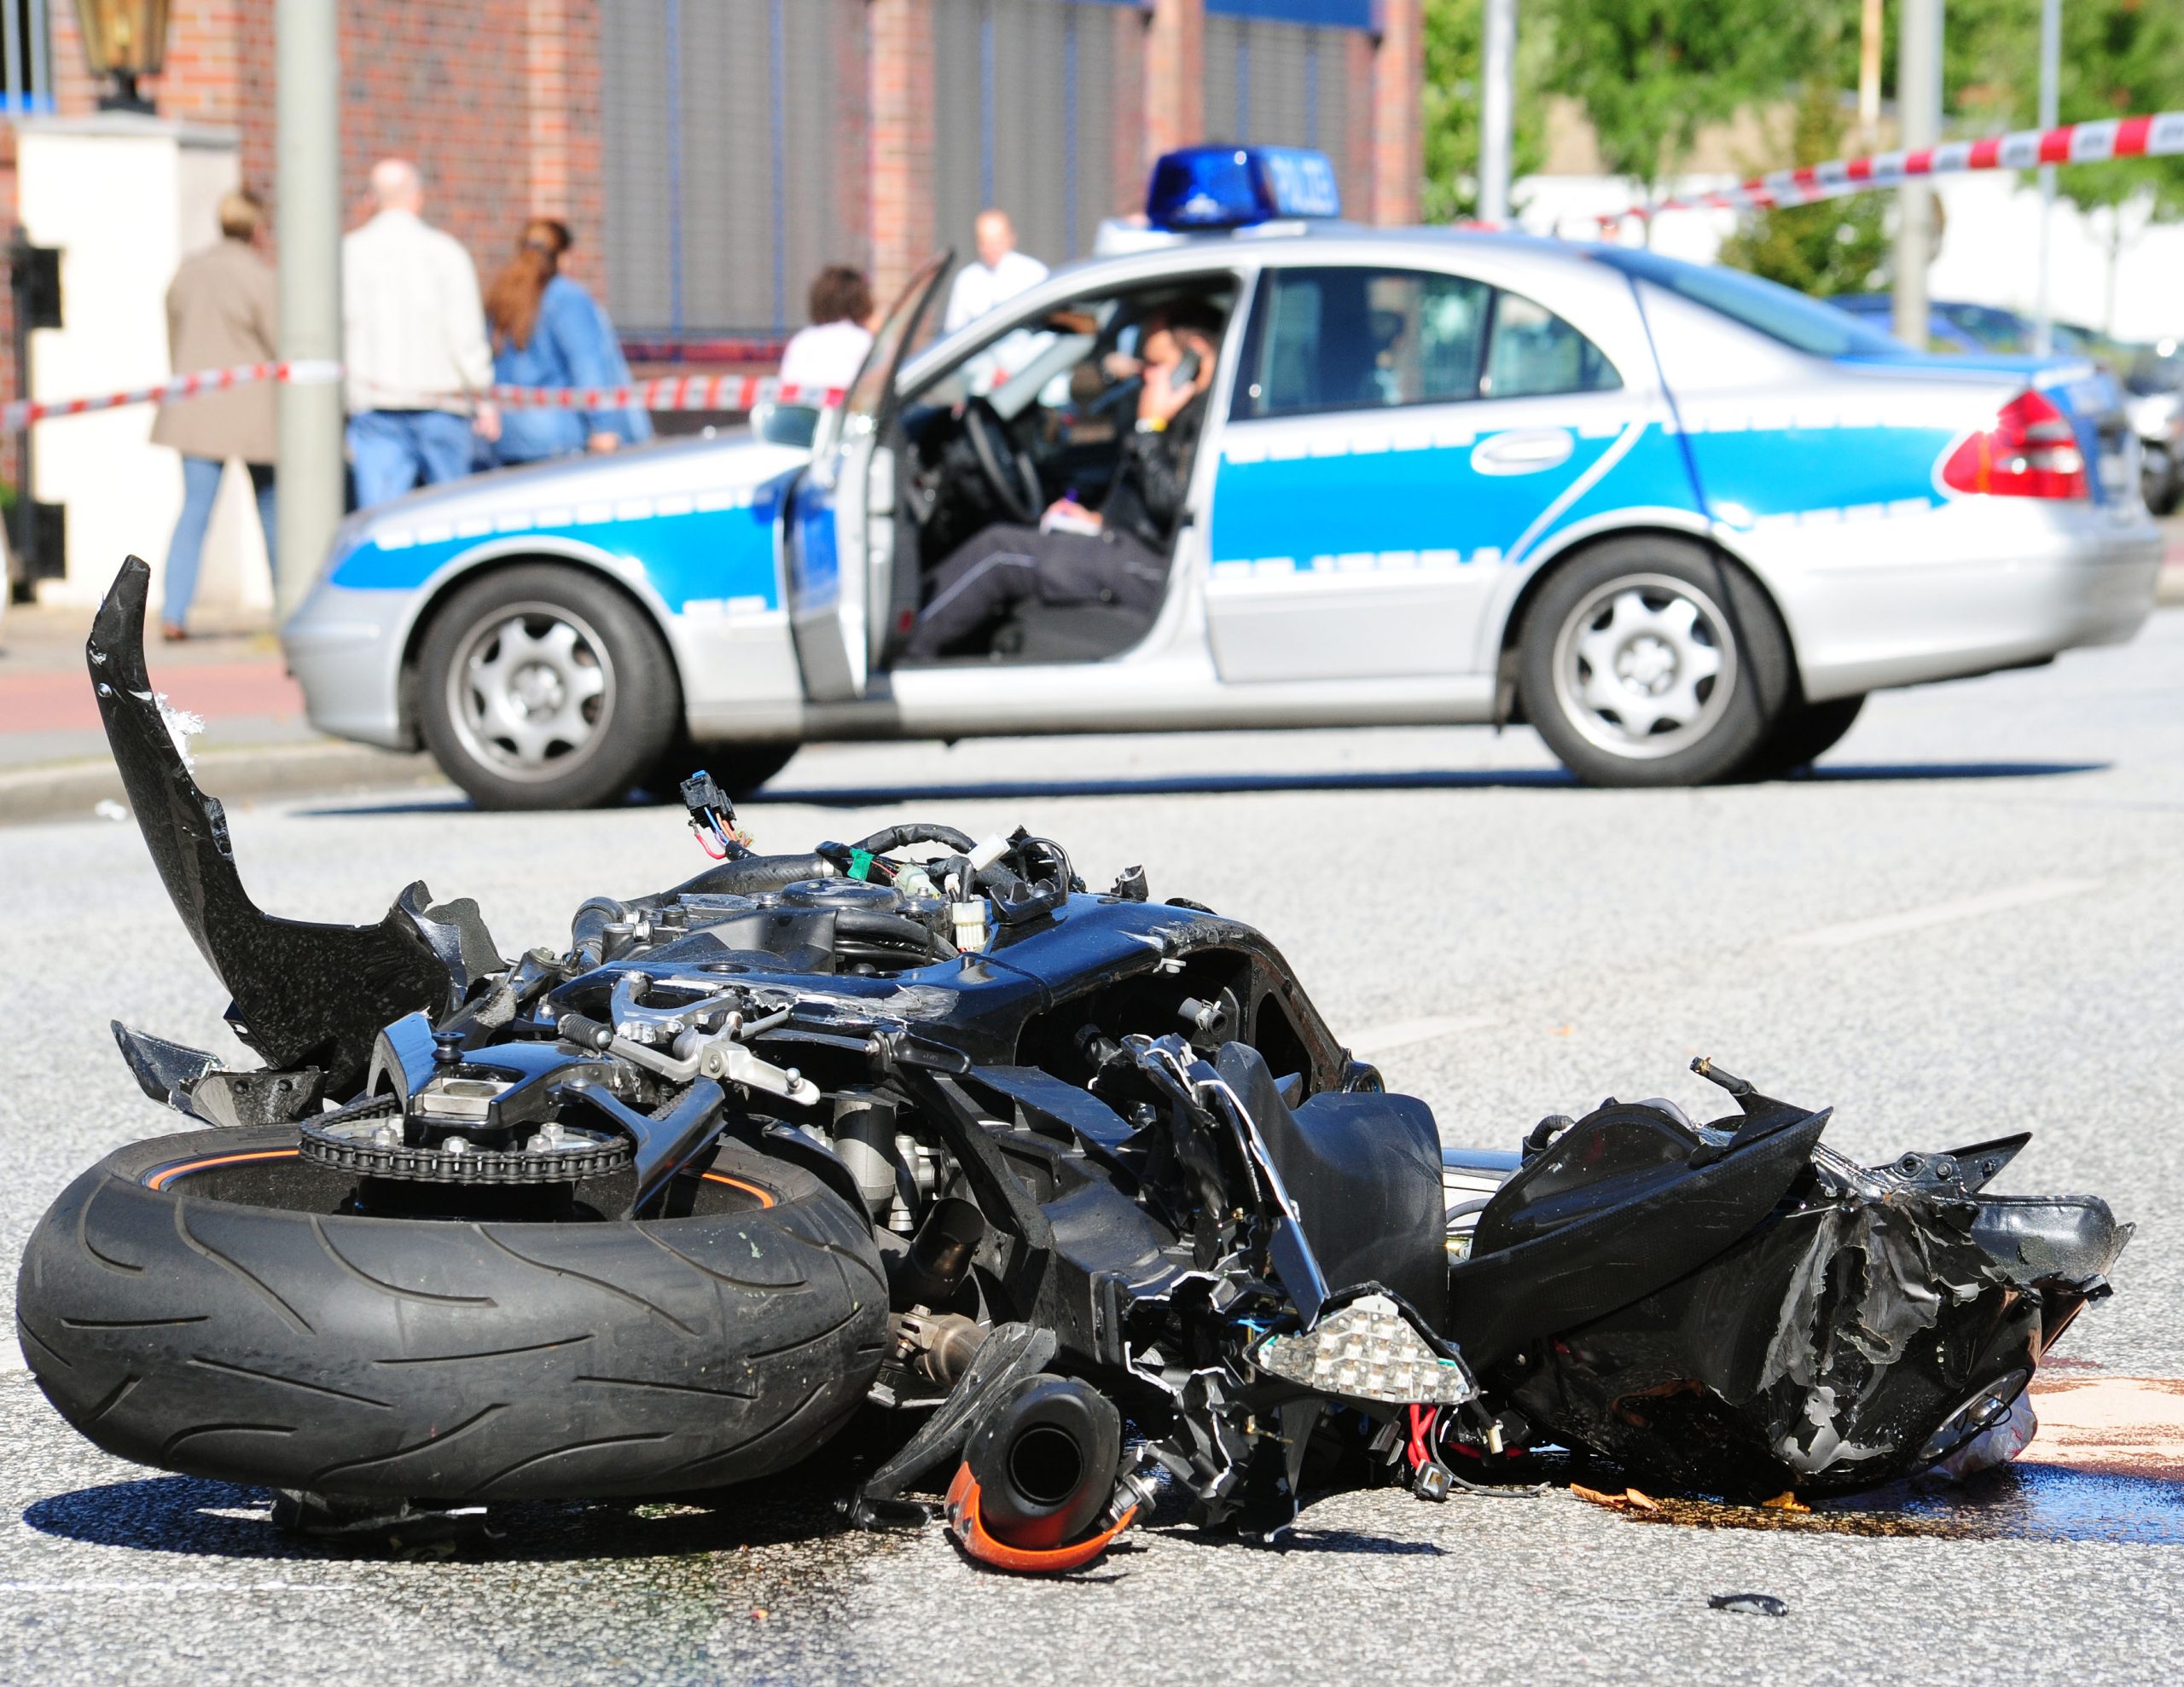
[1795, 320]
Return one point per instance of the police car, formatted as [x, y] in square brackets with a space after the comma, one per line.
[1678, 519]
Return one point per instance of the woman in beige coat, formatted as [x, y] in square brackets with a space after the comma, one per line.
[221, 312]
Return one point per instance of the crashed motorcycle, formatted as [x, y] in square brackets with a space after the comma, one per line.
[1074, 1193]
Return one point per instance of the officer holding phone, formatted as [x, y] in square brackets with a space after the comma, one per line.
[1118, 554]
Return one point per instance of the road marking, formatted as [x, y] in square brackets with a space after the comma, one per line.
[1407, 1033]
[2109, 1425]
[1941, 913]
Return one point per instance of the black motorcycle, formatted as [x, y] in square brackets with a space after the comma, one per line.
[1075, 1190]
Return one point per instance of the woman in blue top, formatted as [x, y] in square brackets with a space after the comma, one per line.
[548, 332]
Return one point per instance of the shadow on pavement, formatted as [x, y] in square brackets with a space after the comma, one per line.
[1208, 785]
[1882, 772]
[198, 1517]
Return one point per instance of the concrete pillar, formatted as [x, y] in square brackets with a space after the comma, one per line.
[901, 141]
[1174, 77]
[125, 198]
[1398, 129]
[308, 100]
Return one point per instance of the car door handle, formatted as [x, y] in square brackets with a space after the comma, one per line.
[1523, 451]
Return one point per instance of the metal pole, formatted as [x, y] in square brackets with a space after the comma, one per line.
[1869, 34]
[1919, 100]
[2051, 61]
[1497, 101]
[307, 68]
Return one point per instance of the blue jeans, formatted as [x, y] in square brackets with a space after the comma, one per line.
[200, 487]
[393, 450]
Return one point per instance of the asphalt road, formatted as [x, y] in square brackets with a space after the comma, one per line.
[1970, 924]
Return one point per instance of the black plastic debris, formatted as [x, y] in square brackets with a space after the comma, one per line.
[1750, 1604]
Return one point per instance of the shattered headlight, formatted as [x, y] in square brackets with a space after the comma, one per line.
[1367, 1350]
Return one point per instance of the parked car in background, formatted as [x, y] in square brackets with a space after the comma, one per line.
[1680, 520]
[2154, 389]
[1955, 324]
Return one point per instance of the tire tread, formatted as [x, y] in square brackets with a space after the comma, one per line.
[533, 1361]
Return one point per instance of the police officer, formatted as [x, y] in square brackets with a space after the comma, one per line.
[1118, 554]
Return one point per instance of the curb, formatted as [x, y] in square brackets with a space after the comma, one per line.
[72, 790]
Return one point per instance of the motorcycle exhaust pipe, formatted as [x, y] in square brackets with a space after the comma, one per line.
[940, 1252]
[1045, 1461]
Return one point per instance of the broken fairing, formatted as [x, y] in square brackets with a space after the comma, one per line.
[1071, 1193]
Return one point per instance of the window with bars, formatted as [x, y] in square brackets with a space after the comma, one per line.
[1024, 101]
[25, 56]
[733, 161]
[1281, 83]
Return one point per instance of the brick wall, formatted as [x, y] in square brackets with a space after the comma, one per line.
[900, 141]
[1129, 164]
[1398, 136]
[499, 101]
[1174, 77]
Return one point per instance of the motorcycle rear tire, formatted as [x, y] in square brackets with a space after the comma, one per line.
[267, 1337]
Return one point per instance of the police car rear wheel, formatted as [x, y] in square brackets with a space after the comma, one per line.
[1653, 662]
[543, 688]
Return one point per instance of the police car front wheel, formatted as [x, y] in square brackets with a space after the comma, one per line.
[544, 688]
[1653, 661]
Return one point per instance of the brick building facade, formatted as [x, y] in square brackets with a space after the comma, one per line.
[710, 153]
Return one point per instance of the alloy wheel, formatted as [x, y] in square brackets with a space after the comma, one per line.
[1645, 665]
[530, 690]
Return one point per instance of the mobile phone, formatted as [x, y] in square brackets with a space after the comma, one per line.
[1186, 372]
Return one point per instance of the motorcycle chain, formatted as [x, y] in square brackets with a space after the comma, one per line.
[325, 1142]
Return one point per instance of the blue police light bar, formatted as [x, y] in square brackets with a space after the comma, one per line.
[1233, 187]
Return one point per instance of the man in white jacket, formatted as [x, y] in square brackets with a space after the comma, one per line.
[1000, 272]
[414, 333]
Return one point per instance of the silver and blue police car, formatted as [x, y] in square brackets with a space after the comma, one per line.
[1680, 520]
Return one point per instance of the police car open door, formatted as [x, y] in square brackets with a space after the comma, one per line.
[841, 537]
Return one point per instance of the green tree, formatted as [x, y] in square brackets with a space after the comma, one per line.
[2120, 58]
[1651, 73]
[1454, 49]
[1831, 247]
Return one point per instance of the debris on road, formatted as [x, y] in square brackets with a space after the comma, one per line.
[1076, 1189]
[1628, 1500]
[1750, 1604]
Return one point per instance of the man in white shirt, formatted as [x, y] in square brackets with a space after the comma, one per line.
[1000, 272]
[414, 334]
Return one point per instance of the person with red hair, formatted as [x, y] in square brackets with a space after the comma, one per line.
[548, 332]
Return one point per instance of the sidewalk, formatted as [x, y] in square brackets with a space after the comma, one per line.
[53, 753]
[232, 675]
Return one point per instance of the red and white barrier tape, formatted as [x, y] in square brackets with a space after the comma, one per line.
[680, 392]
[2160, 135]
[23, 412]
[672, 393]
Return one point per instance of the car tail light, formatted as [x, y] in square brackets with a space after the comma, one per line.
[2030, 452]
